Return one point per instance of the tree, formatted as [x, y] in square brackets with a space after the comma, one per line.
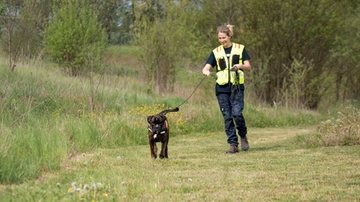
[163, 37]
[12, 36]
[299, 49]
[75, 37]
[345, 53]
[116, 17]
[33, 18]
[283, 32]
[124, 32]
[22, 24]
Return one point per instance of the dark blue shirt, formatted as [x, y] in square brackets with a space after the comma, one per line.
[212, 61]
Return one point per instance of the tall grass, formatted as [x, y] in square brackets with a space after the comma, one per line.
[341, 129]
[29, 149]
[46, 116]
[261, 117]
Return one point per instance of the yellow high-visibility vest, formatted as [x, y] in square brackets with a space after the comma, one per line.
[224, 64]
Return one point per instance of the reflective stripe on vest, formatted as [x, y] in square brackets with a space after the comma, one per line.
[236, 77]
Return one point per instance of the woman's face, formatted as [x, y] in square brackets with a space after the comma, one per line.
[224, 39]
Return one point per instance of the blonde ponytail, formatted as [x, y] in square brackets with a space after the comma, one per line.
[226, 29]
[231, 29]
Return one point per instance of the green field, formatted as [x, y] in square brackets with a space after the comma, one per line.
[274, 169]
[65, 139]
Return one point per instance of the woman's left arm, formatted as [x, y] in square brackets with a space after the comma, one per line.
[245, 67]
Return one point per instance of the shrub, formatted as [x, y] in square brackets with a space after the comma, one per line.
[339, 130]
[75, 39]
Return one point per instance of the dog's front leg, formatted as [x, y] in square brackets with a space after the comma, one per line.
[164, 150]
[153, 149]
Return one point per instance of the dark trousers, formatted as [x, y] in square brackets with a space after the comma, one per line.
[231, 106]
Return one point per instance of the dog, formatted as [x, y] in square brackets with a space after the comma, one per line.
[158, 131]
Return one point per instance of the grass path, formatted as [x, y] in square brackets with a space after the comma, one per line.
[274, 169]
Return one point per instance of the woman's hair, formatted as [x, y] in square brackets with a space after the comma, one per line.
[226, 29]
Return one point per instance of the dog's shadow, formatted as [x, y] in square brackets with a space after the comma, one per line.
[221, 151]
[266, 148]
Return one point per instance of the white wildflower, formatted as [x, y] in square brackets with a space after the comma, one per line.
[93, 186]
[73, 184]
[99, 185]
[86, 187]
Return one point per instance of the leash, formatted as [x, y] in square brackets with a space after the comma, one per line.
[193, 91]
[177, 108]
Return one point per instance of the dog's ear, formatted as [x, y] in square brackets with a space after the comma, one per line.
[149, 119]
[162, 118]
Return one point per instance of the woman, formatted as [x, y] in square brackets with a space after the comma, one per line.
[230, 61]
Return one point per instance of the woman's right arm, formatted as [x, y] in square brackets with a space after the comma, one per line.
[210, 62]
[206, 70]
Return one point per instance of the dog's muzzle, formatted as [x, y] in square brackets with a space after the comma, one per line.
[155, 131]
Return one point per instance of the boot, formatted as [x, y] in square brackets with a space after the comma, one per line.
[244, 144]
[233, 149]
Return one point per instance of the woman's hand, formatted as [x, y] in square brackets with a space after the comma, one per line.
[235, 68]
[206, 70]
[243, 67]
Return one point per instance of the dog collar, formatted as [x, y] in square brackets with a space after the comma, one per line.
[162, 132]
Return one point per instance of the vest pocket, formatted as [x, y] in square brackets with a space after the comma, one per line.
[222, 77]
[222, 63]
[235, 59]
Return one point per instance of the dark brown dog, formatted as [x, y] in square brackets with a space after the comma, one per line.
[158, 131]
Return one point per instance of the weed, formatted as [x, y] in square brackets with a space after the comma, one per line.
[340, 130]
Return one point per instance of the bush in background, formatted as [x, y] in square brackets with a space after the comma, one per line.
[339, 130]
[75, 38]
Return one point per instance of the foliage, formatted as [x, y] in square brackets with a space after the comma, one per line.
[285, 32]
[12, 38]
[117, 18]
[30, 149]
[320, 36]
[215, 13]
[120, 33]
[161, 42]
[346, 67]
[32, 22]
[46, 117]
[302, 52]
[280, 34]
[340, 130]
[22, 25]
[264, 117]
[75, 38]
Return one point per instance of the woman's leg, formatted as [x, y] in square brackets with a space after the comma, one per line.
[226, 110]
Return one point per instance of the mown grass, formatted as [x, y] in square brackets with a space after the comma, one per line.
[274, 169]
[51, 138]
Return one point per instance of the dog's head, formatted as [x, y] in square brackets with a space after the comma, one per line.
[157, 123]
